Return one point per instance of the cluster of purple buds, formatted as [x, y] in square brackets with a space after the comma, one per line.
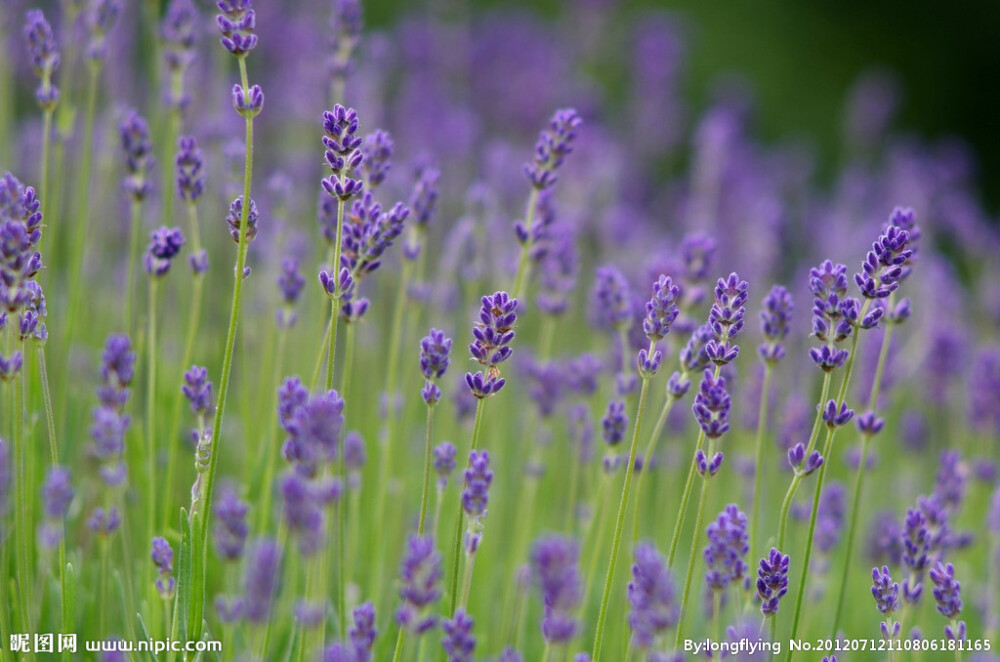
[290, 284]
[313, 425]
[697, 252]
[458, 641]
[164, 245]
[421, 572]
[304, 501]
[883, 267]
[435, 349]
[248, 102]
[110, 422]
[728, 544]
[707, 467]
[101, 19]
[444, 462]
[263, 571]
[828, 284]
[355, 457]
[869, 424]
[475, 497]
[612, 301]
[235, 220]
[916, 540]
[198, 390]
[554, 144]
[947, 590]
[661, 312]
[229, 524]
[615, 423]
[800, 463]
[178, 31]
[190, 169]
[492, 336]
[57, 494]
[363, 632]
[774, 322]
[343, 152]
[345, 33]
[20, 232]
[138, 150]
[835, 417]
[711, 405]
[772, 581]
[558, 270]
[377, 161]
[555, 569]
[886, 594]
[238, 23]
[423, 201]
[726, 318]
[44, 54]
[693, 358]
[163, 559]
[651, 596]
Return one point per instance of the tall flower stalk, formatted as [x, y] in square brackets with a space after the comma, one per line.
[492, 336]
[868, 424]
[725, 320]
[237, 23]
[44, 54]
[661, 311]
[434, 358]
[885, 265]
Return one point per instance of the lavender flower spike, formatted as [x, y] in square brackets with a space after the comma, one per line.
[458, 641]
[554, 568]
[237, 22]
[946, 590]
[435, 348]
[421, 572]
[728, 544]
[711, 406]
[163, 559]
[772, 581]
[727, 318]
[493, 334]
[44, 54]
[775, 319]
[164, 245]
[651, 596]
[884, 590]
[553, 145]
[444, 462]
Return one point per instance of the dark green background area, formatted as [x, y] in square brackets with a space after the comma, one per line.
[802, 56]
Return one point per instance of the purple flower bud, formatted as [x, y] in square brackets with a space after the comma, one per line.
[435, 348]
[614, 423]
[828, 359]
[10, 367]
[884, 590]
[694, 356]
[235, 218]
[190, 169]
[199, 262]
[458, 641]
[901, 312]
[262, 574]
[729, 310]
[648, 365]
[363, 632]
[706, 466]
[661, 309]
[101, 19]
[798, 462]
[775, 319]
[711, 406]
[478, 478]
[138, 150]
[164, 245]
[421, 572]
[57, 493]
[555, 570]
[834, 417]
[198, 390]
[423, 198]
[772, 581]
[611, 305]
[229, 524]
[869, 424]
[727, 546]
[377, 161]
[553, 145]
[677, 386]
[104, 522]
[652, 599]
[248, 102]
[238, 23]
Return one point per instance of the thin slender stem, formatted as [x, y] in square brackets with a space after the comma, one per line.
[650, 447]
[859, 476]
[21, 449]
[619, 524]
[54, 451]
[694, 553]
[786, 505]
[151, 425]
[461, 513]
[341, 504]
[827, 447]
[227, 364]
[524, 265]
[133, 253]
[43, 194]
[470, 563]
[427, 469]
[686, 496]
[271, 451]
[399, 644]
[759, 457]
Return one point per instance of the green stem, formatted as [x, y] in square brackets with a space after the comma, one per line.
[759, 457]
[827, 448]
[650, 447]
[150, 422]
[694, 553]
[686, 496]
[341, 504]
[133, 252]
[524, 265]
[399, 645]
[461, 513]
[619, 524]
[427, 470]
[859, 476]
[21, 450]
[227, 364]
[43, 194]
[271, 451]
